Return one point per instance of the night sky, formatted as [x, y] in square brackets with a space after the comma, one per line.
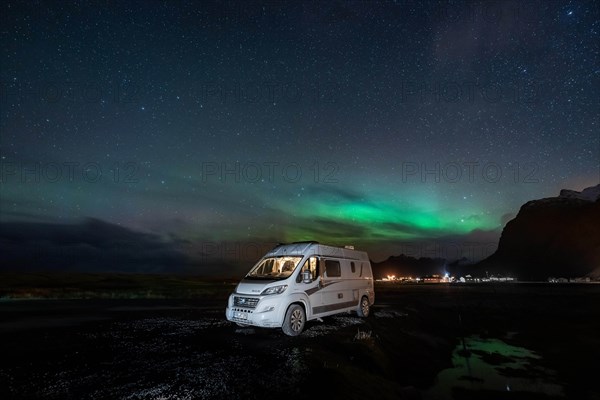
[172, 136]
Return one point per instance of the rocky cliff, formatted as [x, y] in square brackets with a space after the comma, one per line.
[556, 236]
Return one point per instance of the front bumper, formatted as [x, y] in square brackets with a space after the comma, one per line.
[268, 312]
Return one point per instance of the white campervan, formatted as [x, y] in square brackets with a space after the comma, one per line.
[297, 282]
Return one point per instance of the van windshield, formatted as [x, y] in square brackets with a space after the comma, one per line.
[274, 268]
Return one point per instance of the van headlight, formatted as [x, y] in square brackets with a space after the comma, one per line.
[274, 290]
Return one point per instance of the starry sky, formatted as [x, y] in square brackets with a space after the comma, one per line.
[192, 136]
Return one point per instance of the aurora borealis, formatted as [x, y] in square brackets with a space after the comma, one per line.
[153, 133]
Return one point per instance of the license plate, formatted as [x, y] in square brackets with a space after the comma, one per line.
[240, 315]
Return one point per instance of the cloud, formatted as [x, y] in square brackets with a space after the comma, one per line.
[506, 217]
[92, 246]
[330, 228]
[334, 192]
[474, 246]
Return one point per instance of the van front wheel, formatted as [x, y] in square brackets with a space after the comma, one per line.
[295, 317]
[364, 308]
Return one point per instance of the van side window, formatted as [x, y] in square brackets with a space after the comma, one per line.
[311, 265]
[361, 267]
[332, 268]
[352, 267]
[314, 267]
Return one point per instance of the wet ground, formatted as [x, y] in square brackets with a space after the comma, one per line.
[510, 341]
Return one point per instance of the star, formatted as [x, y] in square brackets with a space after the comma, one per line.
[372, 127]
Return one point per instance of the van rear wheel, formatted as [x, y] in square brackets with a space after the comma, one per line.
[294, 320]
[364, 308]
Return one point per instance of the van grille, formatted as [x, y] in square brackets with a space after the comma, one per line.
[249, 302]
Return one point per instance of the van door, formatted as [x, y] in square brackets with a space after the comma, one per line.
[312, 289]
[334, 293]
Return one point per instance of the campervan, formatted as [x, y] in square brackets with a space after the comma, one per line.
[301, 281]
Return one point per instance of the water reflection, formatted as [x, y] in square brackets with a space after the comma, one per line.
[483, 364]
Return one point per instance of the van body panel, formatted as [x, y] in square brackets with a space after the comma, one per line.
[252, 287]
[340, 278]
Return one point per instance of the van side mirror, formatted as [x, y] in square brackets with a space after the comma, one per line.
[306, 276]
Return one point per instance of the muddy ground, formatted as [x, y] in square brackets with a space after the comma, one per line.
[507, 341]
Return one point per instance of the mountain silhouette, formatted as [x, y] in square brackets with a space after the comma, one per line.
[550, 237]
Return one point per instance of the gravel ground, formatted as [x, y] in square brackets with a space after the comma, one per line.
[420, 342]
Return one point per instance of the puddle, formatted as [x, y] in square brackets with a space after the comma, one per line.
[491, 364]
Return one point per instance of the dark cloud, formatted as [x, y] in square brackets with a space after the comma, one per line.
[334, 192]
[92, 245]
[405, 228]
[330, 228]
[473, 246]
